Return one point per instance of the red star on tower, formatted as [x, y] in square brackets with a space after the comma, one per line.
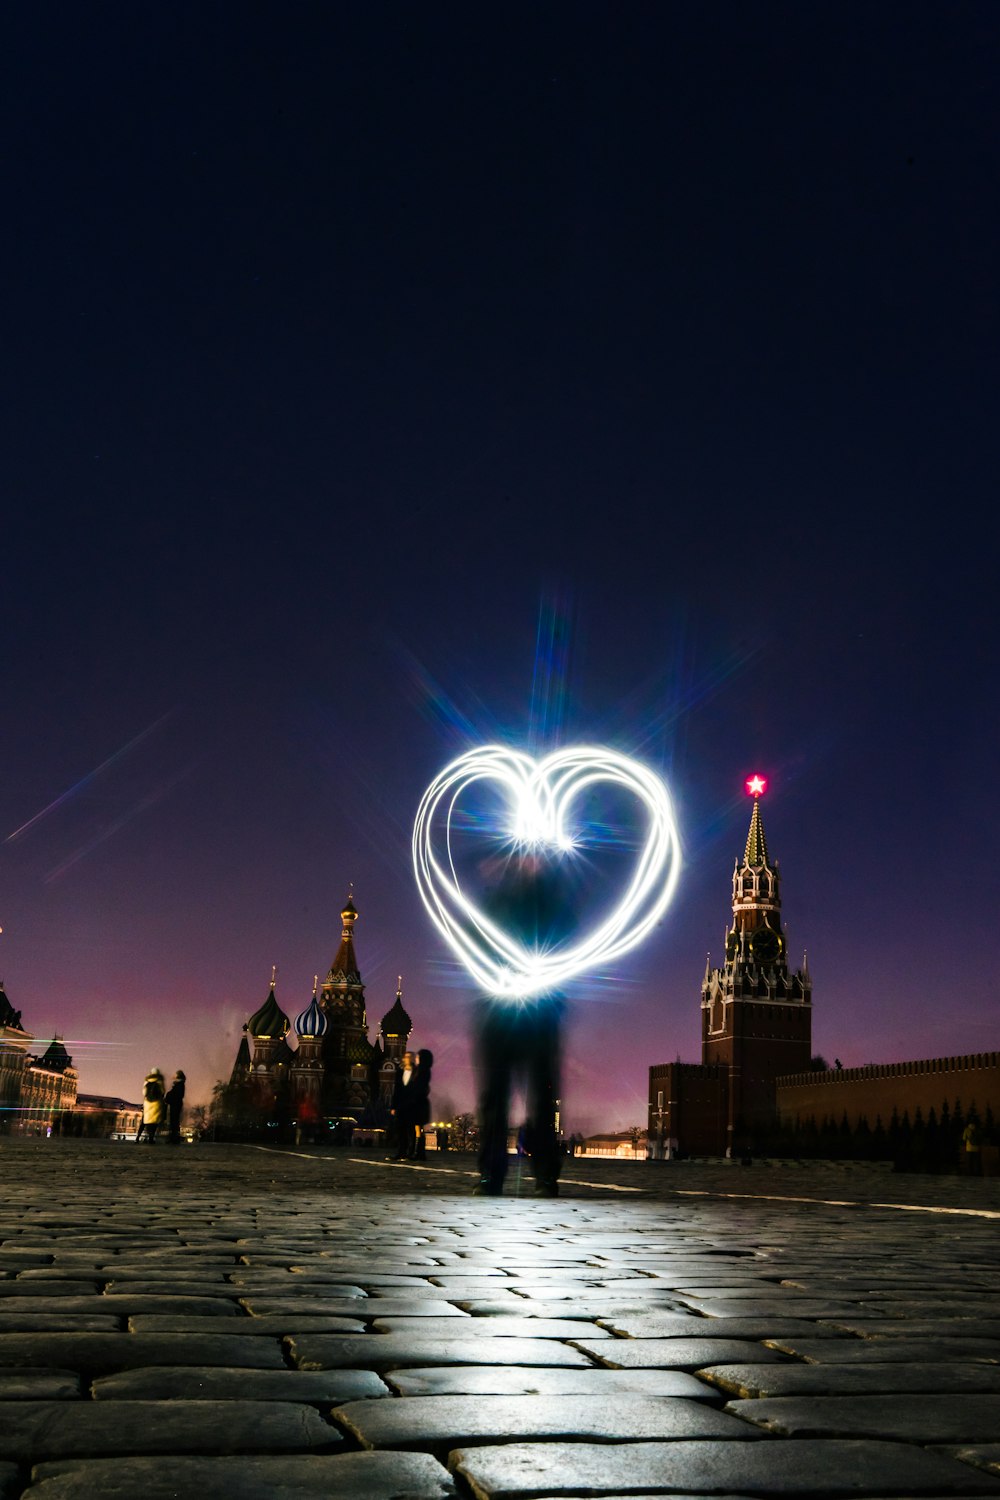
[756, 785]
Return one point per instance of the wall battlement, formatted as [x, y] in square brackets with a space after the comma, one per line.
[970, 1062]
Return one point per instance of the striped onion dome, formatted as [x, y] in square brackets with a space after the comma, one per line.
[312, 1021]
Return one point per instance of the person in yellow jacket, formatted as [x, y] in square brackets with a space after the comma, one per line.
[152, 1106]
[972, 1141]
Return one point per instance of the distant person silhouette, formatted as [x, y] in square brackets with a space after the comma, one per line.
[174, 1100]
[397, 1109]
[419, 1103]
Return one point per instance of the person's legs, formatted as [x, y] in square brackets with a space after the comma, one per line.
[493, 1058]
[542, 1069]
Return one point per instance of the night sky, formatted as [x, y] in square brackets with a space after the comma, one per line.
[383, 379]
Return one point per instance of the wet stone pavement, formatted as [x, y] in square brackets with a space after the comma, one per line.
[227, 1321]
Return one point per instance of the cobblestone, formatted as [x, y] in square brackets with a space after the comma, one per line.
[241, 1323]
[941, 1418]
[36, 1430]
[793, 1467]
[853, 1380]
[438, 1423]
[38, 1385]
[207, 1383]
[351, 1476]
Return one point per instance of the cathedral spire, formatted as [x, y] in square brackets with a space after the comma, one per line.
[344, 961]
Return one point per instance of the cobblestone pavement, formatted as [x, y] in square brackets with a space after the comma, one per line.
[226, 1321]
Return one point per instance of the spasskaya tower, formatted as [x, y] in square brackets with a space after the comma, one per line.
[756, 1014]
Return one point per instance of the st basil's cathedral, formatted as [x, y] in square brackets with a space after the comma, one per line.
[335, 1072]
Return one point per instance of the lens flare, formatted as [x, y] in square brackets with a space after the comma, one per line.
[540, 796]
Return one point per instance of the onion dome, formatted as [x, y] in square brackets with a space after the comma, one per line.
[270, 1020]
[312, 1022]
[397, 1022]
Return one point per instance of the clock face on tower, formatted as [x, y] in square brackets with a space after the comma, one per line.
[765, 946]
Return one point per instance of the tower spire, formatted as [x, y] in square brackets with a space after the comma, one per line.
[756, 849]
[344, 961]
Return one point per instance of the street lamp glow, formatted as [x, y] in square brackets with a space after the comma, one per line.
[540, 796]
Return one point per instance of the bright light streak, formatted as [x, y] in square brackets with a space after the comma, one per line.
[142, 806]
[86, 780]
[540, 795]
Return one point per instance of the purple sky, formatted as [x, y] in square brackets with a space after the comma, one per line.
[382, 381]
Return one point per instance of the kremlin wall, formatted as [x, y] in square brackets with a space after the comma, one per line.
[879, 1089]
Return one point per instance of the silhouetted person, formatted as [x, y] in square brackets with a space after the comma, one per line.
[174, 1100]
[419, 1102]
[152, 1107]
[397, 1109]
[519, 1039]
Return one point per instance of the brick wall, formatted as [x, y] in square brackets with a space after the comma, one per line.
[875, 1090]
[695, 1107]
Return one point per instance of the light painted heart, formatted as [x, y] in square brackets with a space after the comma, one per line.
[540, 795]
